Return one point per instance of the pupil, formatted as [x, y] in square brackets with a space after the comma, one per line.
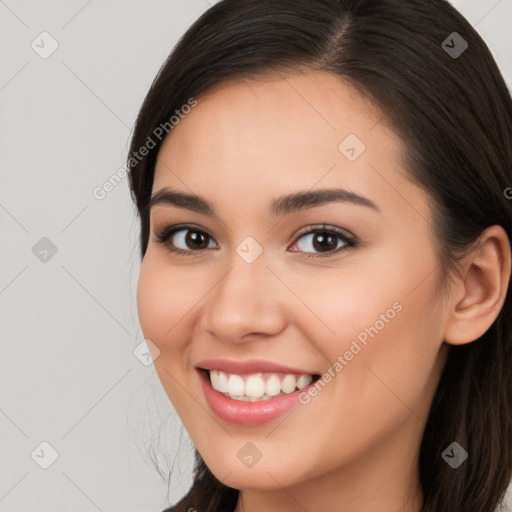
[324, 242]
[194, 237]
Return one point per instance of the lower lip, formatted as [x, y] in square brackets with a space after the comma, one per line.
[248, 413]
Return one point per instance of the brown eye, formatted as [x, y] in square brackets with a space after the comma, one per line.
[185, 240]
[195, 239]
[324, 242]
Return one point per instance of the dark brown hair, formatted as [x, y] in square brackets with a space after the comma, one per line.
[454, 115]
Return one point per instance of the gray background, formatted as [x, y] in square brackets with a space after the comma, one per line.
[68, 322]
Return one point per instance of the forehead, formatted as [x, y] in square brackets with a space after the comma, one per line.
[277, 131]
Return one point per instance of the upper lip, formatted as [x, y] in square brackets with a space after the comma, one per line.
[249, 366]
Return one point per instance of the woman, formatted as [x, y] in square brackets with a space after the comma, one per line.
[324, 195]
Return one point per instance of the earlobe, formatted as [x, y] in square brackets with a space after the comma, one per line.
[483, 287]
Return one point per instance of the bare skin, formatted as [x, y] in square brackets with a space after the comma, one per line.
[354, 446]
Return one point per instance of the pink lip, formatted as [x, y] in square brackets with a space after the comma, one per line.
[251, 366]
[248, 413]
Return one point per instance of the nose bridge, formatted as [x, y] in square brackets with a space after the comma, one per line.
[244, 300]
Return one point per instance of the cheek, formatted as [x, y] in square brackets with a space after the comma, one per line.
[344, 304]
[164, 297]
[378, 328]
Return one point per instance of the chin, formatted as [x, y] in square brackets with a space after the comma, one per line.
[262, 476]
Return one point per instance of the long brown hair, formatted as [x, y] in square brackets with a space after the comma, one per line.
[445, 97]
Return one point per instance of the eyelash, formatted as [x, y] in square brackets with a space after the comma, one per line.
[164, 235]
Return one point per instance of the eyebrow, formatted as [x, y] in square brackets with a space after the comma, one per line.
[284, 205]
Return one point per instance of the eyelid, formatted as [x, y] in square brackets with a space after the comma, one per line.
[164, 234]
[350, 241]
[319, 227]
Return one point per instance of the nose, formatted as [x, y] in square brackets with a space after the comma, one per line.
[248, 301]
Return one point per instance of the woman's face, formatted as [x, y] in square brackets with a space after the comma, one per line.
[269, 279]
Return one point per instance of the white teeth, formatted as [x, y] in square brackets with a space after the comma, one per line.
[288, 384]
[214, 378]
[273, 386]
[222, 382]
[254, 387]
[236, 385]
[304, 380]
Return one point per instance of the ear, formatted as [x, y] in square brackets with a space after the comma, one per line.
[479, 293]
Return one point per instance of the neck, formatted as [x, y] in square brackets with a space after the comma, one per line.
[294, 499]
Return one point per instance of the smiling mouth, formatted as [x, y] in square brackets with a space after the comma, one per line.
[255, 387]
